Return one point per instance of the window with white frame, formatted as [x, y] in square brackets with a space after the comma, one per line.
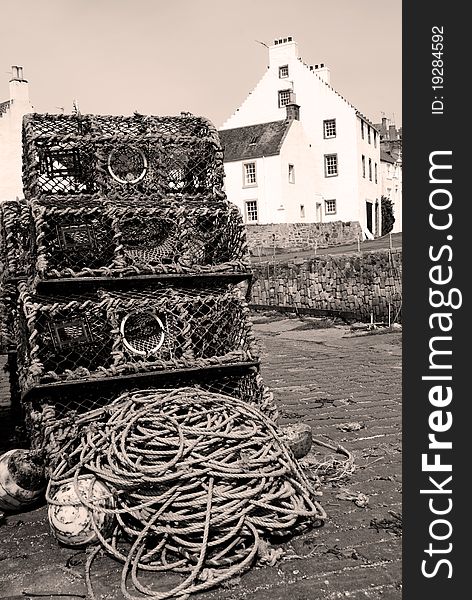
[284, 97]
[249, 174]
[283, 71]
[330, 207]
[302, 211]
[251, 211]
[291, 173]
[375, 172]
[362, 129]
[370, 169]
[331, 165]
[363, 166]
[375, 139]
[368, 133]
[329, 128]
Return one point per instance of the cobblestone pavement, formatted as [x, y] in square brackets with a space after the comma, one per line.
[326, 378]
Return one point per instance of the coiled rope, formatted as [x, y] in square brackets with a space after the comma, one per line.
[200, 481]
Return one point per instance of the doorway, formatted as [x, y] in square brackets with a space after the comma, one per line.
[368, 207]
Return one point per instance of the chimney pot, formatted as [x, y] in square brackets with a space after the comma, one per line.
[17, 73]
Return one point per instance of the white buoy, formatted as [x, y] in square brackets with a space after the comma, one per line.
[21, 480]
[298, 438]
[71, 521]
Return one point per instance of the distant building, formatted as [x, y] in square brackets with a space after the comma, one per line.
[11, 116]
[388, 131]
[391, 168]
[323, 161]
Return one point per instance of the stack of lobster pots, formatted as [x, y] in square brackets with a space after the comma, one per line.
[125, 267]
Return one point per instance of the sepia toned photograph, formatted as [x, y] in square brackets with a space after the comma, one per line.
[201, 299]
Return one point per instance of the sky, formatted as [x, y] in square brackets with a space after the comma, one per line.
[162, 57]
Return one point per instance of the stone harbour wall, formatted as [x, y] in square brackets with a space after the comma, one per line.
[300, 236]
[356, 286]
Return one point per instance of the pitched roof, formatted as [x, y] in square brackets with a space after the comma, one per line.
[363, 117]
[387, 157]
[4, 106]
[253, 141]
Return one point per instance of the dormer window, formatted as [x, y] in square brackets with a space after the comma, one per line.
[254, 140]
[283, 72]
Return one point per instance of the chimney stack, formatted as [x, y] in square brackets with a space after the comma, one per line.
[282, 52]
[19, 93]
[293, 111]
[392, 132]
[323, 72]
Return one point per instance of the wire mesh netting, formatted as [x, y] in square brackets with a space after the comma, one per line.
[14, 232]
[55, 413]
[86, 237]
[111, 333]
[85, 154]
[120, 202]
[14, 227]
[8, 307]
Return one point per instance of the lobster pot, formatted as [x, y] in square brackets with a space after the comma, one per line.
[86, 154]
[14, 231]
[110, 333]
[51, 413]
[8, 307]
[92, 237]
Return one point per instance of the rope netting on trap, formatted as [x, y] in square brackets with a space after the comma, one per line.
[14, 227]
[179, 480]
[115, 237]
[108, 333]
[86, 154]
[14, 224]
[51, 419]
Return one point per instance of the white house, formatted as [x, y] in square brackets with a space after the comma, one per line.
[391, 167]
[11, 117]
[391, 180]
[327, 164]
[269, 172]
